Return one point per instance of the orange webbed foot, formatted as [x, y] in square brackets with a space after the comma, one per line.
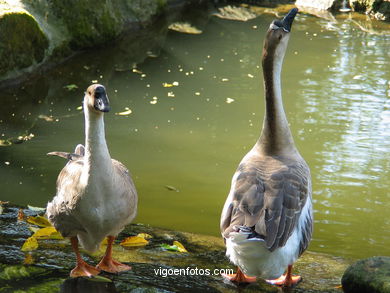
[286, 280]
[112, 266]
[239, 277]
[83, 269]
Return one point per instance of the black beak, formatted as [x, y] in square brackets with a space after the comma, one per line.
[288, 19]
[101, 100]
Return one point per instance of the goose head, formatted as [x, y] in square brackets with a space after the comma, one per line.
[96, 99]
[278, 34]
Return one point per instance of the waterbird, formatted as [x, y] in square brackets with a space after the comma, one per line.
[96, 196]
[267, 219]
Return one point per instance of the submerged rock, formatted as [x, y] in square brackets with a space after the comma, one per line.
[370, 275]
[154, 269]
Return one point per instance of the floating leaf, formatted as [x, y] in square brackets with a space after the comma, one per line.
[184, 27]
[36, 209]
[46, 118]
[175, 83]
[39, 221]
[71, 87]
[135, 70]
[172, 188]
[235, 13]
[124, 113]
[134, 241]
[30, 244]
[145, 235]
[5, 142]
[4, 202]
[47, 233]
[1, 209]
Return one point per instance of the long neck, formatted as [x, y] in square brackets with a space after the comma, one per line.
[97, 156]
[276, 136]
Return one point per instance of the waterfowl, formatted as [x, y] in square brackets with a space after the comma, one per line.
[96, 196]
[267, 219]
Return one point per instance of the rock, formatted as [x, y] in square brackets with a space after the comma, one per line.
[22, 41]
[316, 4]
[370, 275]
[39, 34]
[49, 266]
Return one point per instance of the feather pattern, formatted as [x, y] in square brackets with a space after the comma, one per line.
[267, 219]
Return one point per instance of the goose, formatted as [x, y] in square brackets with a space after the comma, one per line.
[96, 196]
[267, 220]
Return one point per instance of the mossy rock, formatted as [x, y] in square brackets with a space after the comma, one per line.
[22, 42]
[371, 275]
[381, 9]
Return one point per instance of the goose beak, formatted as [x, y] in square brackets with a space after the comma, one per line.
[101, 102]
[288, 19]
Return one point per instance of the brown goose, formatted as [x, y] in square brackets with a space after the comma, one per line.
[95, 196]
[267, 218]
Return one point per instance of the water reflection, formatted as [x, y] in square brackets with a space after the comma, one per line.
[198, 107]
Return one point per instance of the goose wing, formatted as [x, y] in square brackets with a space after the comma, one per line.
[268, 204]
[60, 210]
[78, 153]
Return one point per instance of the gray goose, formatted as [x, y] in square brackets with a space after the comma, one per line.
[96, 196]
[267, 219]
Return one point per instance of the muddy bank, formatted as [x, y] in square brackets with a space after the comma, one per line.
[46, 268]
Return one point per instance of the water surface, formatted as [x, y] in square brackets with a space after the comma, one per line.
[183, 143]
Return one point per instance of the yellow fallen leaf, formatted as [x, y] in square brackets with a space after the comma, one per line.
[105, 241]
[47, 233]
[30, 244]
[28, 259]
[39, 221]
[21, 215]
[33, 229]
[134, 241]
[145, 235]
[124, 113]
[180, 246]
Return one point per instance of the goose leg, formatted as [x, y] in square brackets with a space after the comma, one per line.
[286, 280]
[82, 269]
[109, 265]
[239, 277]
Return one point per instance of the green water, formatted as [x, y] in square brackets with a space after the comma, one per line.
[336, 89]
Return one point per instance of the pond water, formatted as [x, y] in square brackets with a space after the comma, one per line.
[183, 141]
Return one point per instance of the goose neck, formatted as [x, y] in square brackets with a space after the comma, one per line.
[276, 136]
[97, 154]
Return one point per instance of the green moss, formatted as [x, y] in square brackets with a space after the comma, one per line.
[22, 42]
[89, 22]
